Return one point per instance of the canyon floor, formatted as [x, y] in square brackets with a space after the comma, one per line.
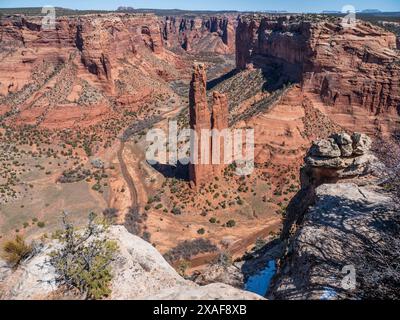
[125, 180]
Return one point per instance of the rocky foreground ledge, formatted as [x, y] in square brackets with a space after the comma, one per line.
[139, 272]
[338, 216]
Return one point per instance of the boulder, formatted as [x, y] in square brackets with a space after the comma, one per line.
[342, 138]
[345, 144]
[215, 291]
[34, 279]
[361, 143]
[325, 148]
[321, 167]
[335, 163]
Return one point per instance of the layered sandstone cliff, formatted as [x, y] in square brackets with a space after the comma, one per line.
[353, 72]
[200, 34]
[97, 61]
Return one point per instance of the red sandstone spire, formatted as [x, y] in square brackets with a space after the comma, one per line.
[202, 118]
[220, 122]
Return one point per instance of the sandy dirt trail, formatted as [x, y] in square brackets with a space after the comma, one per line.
[126, 175]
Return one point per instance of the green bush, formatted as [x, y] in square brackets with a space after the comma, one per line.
[231, 223]
[176, 211]
[15, 251]
[182, 267]
[201, 231]
[224, 259]
[84, 259]
[41, 224]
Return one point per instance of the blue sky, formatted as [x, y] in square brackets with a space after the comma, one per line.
[240, 5]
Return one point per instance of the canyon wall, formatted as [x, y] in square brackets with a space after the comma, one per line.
[353, 70]
[101, 40]
[200, 34]
[98, 61]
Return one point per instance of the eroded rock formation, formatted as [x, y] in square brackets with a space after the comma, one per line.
[200, 34]
[341, 156]
[336, 216]
[94, 60]
[201, 118]
[344, 221]
[354, 71]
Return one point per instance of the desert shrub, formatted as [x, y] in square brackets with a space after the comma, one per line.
[201, 231]
[96, 187]
[134, 220]
[224, 259]
[15, 251]
[74, 175]
[176, 211]
[41, 224]
[213, 220]
[182, 267]
[189, 248]
[231, 223]
[110, 214]
[146, 236]
[260, 243]
[83, 261]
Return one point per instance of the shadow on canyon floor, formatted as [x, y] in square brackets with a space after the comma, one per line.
[179, 171]
[213, 83]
